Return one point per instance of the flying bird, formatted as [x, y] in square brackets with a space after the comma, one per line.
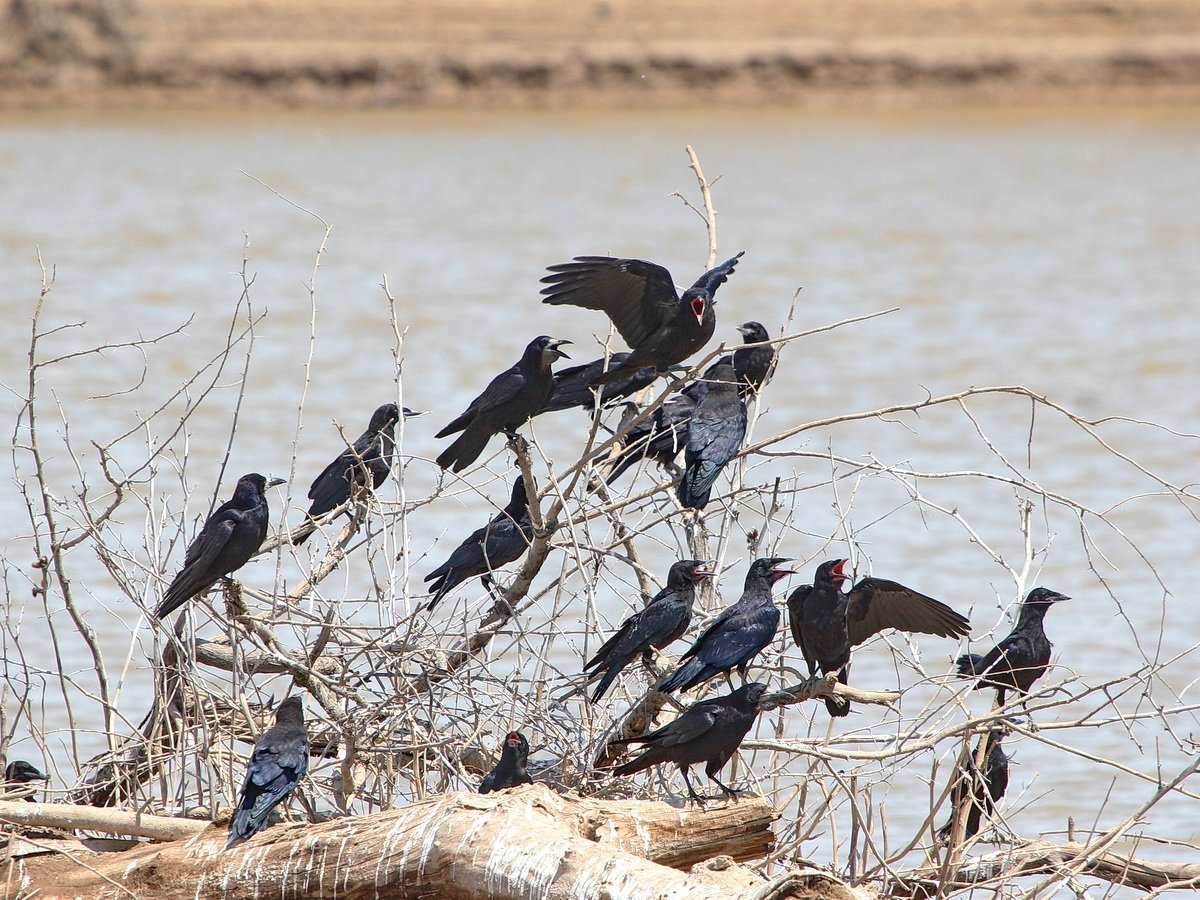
[367, 461]
[981, 791]
[707, 732]
[661, 327]
[508, 402]
[662, 621]
[230, 536]
[826, 623]
[715, 435]
[19, 773]
[496, 544]
[1019, 659]
[737, 635]
[277, 765]
[510, 771]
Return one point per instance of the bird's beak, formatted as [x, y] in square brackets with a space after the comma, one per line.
[838, 574]
[698, 304]
[275, 482]
[1061, 597]
[743, 331]
[778, 572]
[413, 413]
[702, 570]
[554, 345]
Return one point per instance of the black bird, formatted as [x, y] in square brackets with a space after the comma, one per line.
[662, 434]
[573, 386]
[1021, 658]
[230, 536]
[981, 793]
[368, 458]
[661, 327]
[662, 621]
[715, 435]
[19, 772]
[508, 402]
[753, 364]
[826, 623]
[737, 635]
[510, 771]
[277, 765]
[708, 732]
[499, 542]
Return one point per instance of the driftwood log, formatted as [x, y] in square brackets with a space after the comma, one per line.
[528, 842]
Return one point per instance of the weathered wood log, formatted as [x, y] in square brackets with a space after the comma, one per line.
[71, 817]
[528, 842]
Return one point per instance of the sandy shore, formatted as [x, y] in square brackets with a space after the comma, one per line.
[614, 53]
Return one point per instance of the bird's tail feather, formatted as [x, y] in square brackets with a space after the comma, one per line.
[969, 665]
[687, 676]
[464, 451]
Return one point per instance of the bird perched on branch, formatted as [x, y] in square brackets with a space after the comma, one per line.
[496, 544]
[826, 623]
[277, 765]
[1019, 659]
[707, 732]
[715, 434]
[19, 773]
[230, 536]
[661, 327]
[981, 791]
[510, 771]
[662, 434]
[511, 399]
[753, 364]
[737, 635]
[662, 621]
[367, 461]
[573, 386]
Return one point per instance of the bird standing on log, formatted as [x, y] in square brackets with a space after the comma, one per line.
[661, 622]
[715, 434]
[826, 623]
[510, 771]
[1019, 659]
[277, 765]
[661, 327]
[230, 536]
[738, 635]
[511, 399]
[365, 462]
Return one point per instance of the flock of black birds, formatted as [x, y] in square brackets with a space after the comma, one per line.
[706, 421]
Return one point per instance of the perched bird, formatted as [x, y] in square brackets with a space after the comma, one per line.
[367, 460]
[981, 792]
[707, 732]
[573, 386]
[508, 402]
[662, 621]
[661, 327]
[826, 623]
[662, 434]
[510, 771]
[753, 364]
[19, 773]
[230, 536]
[499, 542]
[737, 635]
[715, 435]
[1021, 658]
[277, 765]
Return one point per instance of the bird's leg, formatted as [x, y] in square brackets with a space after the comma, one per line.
[729, 681]
[692, 795]
[500, 606]
[729, 792]
[743, 670]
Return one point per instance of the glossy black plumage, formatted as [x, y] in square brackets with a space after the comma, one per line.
[367, 461]
[19, 772]
[230, 536]
[707, 732]
[510, 771]
[662, 434]
[508, 402]
[277, 765]
[573, 386]
[981, 792]
[501, 541]
[715, 434]
[1019, 659]
[663, 620]
[661, 327]
[826, 623]
[737, 635]
[753, 364]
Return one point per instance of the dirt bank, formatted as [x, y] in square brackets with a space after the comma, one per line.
[442, 53]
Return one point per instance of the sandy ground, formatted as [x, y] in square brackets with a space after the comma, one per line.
[560, 53]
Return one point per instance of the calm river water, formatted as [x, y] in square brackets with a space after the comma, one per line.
[1058, 253]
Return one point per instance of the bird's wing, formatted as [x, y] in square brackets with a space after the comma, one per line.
[638, 296]
[606, 648]
[696, 722]
[740, 637]
[713, 440]
[875, 604]
[500, 390]
[1011, 653]
[213, 538]
[330, 486]
[795, 605]
[717, 276]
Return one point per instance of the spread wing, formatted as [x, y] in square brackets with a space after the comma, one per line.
[875, 604]
[638, 296]
[718, 275]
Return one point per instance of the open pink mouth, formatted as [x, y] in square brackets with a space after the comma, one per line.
[698, 309]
